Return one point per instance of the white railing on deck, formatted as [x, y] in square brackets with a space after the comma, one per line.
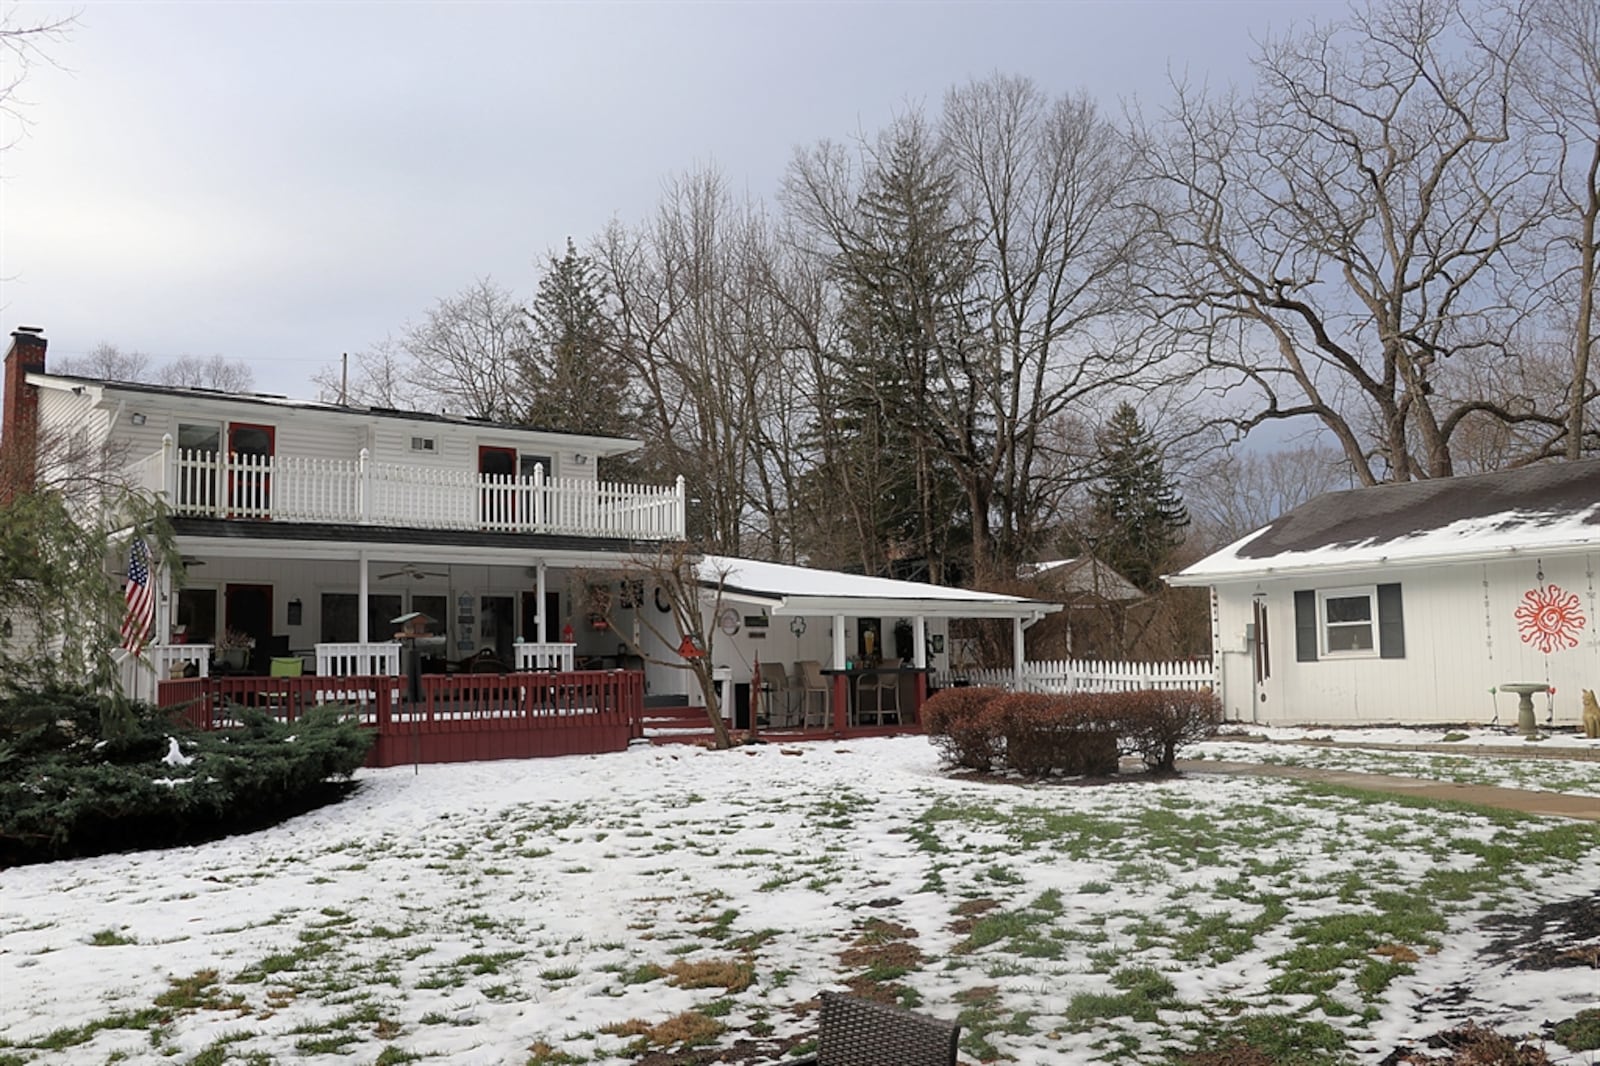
[359, 660]
[361, 491]
[532, 656]
[161, 662]
[1084, 675]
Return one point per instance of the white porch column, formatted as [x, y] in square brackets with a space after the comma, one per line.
[538, 594]
[838, 642]
[919, 641]
[1016, 652]
[362, 636]
[164, 609]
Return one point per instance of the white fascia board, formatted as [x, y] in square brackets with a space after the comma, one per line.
[928, 608]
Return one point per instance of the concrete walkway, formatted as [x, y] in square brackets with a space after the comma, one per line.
[1524, 801]
[1518, 750]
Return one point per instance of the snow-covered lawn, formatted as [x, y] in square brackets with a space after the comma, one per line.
[554, 910]
[1350, 749]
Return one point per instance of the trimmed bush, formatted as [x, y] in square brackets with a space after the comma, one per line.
[1081, 733]
[958, 722]
[1047, 734]
[80, 777]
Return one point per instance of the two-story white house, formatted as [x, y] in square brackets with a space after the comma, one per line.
[307, 527]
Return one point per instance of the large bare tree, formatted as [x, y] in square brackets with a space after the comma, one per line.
[1349, 241]
[1560, 67]
[468, 351]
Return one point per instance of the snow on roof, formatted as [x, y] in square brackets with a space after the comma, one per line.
[1544, 509]
[802, 590]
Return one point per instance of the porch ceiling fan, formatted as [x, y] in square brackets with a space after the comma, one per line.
[413, 571]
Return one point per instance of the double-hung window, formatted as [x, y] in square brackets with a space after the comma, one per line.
[1348, 621]
[1355, 622]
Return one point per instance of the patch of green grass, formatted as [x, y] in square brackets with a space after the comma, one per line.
[1145, 990]
[107, 938]
[1581, 1032]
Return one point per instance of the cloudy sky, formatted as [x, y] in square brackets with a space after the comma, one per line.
[282, 182]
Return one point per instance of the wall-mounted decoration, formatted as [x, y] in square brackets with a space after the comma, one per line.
[797, 625]
[630, 594]
[663, 604]
[936, 643]
[296, 611]
[728, 620]
[1550, 619]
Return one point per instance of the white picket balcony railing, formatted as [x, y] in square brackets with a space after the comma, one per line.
[373, 659]
[1084, 675]
[140, 673]
[209, 484]
[537, 656]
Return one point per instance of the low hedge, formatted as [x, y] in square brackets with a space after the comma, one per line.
[81, 777]
[1081, 733]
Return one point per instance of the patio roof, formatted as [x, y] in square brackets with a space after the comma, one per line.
[801, 590]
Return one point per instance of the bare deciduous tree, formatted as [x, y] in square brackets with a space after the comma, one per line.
[22, 46]
[1561, 73]
[469, 349]
[1347, 242]
[207, 372]
[108, 362]
[380, 376]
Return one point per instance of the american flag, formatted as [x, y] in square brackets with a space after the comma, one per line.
[140, 617]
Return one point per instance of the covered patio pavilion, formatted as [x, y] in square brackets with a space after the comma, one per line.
[867, 636]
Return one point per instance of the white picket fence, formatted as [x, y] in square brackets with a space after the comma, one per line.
[1083, 675]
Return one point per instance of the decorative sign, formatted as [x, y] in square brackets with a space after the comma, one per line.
[1550, 619]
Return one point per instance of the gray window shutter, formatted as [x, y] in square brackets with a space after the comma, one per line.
[1305, 626]
[1391, 623]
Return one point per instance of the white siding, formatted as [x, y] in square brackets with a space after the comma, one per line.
[1461, 641]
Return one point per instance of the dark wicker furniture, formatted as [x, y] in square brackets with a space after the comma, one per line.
[858, 1032]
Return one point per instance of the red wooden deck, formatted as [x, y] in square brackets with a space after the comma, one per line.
[457, 718]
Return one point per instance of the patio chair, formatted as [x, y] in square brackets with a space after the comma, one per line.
[777, 696]
[859, 1032]
[812, 683]
[869, 687]
[282, 666]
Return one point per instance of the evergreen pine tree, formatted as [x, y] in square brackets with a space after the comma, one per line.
[1138, 516]
[577, 381]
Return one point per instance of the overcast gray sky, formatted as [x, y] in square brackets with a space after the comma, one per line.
[281, 182]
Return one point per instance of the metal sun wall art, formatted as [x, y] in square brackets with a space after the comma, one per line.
[1550, 619]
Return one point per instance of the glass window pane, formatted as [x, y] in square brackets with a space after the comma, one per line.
[197, 613]
[339, 618]
[1349, 609]
[1350, 638]
[199, 438]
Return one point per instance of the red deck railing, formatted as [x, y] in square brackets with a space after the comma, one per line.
[455, 718]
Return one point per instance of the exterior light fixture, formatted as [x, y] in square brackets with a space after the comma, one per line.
[137, 418]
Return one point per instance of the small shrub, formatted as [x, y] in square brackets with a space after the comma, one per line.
[1054, 734]
[958, 722]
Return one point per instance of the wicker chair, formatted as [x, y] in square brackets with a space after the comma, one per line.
[858, 1032]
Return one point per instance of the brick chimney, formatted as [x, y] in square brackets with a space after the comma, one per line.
[19, 428]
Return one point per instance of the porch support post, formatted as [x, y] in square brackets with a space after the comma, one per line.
[169, 471]
[538, 592]
[1016, 653]
[164, 611]
[841, 682]
[919, 659]
[361, 598]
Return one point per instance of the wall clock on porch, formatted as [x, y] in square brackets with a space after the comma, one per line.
[728, 620]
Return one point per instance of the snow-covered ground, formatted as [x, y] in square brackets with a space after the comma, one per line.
[511, 912]
[1469, 757]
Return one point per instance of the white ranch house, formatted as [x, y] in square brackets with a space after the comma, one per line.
[1415, 602]
[306, 527]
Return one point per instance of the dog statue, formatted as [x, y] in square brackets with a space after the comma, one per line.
[1591, 715]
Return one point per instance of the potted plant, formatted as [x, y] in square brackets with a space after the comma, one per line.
[233, 649]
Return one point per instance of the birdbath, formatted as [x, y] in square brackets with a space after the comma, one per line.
[1525, 693]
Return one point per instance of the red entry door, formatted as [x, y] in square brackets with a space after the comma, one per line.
[497, 467]
[250, 450]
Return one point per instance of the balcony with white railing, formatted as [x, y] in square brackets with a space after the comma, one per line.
[361, 491]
